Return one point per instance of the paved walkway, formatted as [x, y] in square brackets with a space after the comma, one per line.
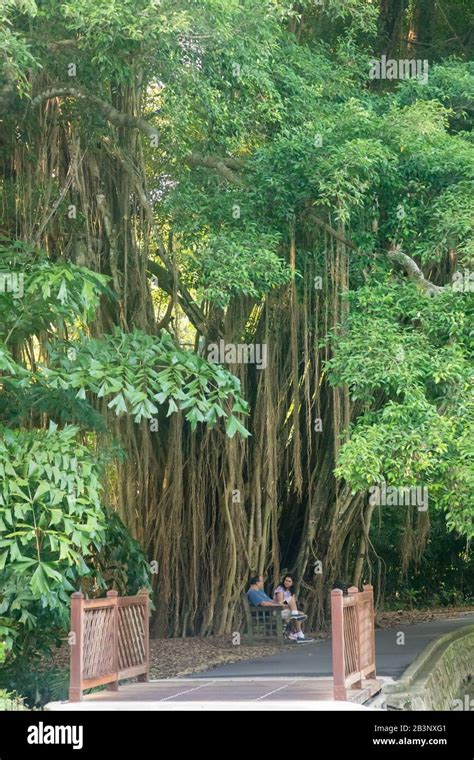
[297, 678]
[315, 659]
[262, 693]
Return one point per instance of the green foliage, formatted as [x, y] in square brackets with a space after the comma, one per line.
[411, 356]
[38, 685]
[310, 134]
[8, 700]
[444, 573]
[121, 563]
[450, 83]
[51, 522]
[138, 372]
[16, 57]
[55, 533]
[229, 264]
[44, 293]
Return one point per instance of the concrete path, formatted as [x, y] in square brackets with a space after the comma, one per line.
[192, 694]
[315, 659]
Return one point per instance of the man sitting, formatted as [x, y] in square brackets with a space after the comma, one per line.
[258, 598]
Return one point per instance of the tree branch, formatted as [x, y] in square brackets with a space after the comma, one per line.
[226, 167]
[117, 118]
[61, 44]
[395, 254]
[331, 231]
[413, 271]
[191, 309]
[223, 166]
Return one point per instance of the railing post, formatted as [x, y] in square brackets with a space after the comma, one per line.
[338, 654]
[113, 596]
[370, 588]
[353, 591]
[146, 632]
[76, 648]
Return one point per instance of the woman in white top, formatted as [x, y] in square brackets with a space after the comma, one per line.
[284, 594]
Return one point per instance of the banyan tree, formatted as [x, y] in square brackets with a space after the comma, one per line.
[238, 179]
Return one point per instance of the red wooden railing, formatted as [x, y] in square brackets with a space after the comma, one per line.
[353, 639]
[110, 641]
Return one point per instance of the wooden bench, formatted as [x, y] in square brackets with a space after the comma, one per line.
[263, 623]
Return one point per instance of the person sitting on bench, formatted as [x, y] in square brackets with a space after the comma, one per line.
[258, 598]
[284, 594]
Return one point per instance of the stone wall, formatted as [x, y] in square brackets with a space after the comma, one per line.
[434, 678]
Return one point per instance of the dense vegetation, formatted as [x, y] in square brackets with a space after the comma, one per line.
[176, 174]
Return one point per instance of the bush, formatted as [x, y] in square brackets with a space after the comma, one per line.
[8, 700]
[37, 685]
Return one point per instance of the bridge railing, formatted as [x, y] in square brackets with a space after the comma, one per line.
[109, 641]
[353, 639]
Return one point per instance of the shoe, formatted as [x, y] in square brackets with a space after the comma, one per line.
[298, 616]
[293, 636]
[300, 636]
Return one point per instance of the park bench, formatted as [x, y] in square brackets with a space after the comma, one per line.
[263, 623]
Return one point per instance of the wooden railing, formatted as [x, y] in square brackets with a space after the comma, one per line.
[353, 639]
[109, 641]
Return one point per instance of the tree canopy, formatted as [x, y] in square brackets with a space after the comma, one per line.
[174, 174]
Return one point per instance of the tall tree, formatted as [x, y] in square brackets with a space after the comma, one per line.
[230, 170]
